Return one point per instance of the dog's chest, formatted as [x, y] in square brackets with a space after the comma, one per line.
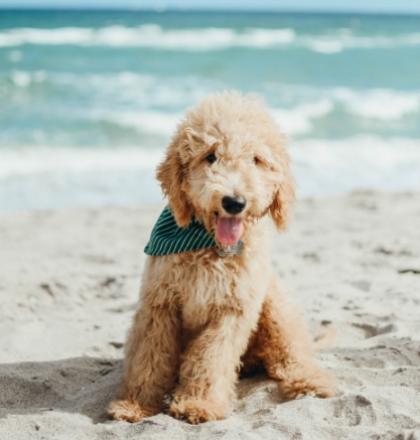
[210, 289]
[204, 286]
[215, 287]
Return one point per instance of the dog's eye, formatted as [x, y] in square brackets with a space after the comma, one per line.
[211, 158]
[257, 160]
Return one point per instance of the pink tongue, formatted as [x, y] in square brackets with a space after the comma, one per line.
[228, 230]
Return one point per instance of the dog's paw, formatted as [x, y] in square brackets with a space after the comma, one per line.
[197, 411]
[128, 411]
[311, 382]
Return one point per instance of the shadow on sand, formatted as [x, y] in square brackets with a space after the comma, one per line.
[81, 385]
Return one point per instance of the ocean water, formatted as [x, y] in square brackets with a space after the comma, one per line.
[88, 100]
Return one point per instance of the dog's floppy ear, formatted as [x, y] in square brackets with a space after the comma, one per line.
[284, 197]
[171, 175]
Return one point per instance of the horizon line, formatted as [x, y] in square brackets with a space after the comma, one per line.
[215, 10]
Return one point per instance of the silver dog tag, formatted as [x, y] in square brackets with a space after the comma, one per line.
[235, 249]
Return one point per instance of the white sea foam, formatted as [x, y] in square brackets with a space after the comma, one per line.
[378, 104]
[38, 160]
[57, 36]
[150, 122]
[154, 36]
[151, 36]
[40, 178]
[125, 87]
[334, 43]
[21, 79]
[381, 104]
[24, 79]
[45, 177]
[143, 91]
[321, 167]
[299, 120]
[334, 166]
[327, 46]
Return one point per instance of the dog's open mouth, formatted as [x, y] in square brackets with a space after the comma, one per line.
[228, 230]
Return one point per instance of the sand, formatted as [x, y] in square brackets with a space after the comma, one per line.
[68, 288]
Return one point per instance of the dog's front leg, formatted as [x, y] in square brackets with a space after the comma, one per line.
[209, 369]
[151, 362]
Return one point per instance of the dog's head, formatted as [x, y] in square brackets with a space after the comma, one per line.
[226, 166]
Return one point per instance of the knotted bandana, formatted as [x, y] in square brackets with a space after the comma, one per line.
[168, 238]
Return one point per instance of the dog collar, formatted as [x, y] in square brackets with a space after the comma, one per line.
[168, 238]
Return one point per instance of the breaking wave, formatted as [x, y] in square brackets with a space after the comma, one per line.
[154, 36]
[61, 177]
[149, 36]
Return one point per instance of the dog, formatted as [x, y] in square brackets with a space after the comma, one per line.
[211, 308]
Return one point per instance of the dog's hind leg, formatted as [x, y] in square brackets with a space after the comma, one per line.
[284, 345]
[151, 362]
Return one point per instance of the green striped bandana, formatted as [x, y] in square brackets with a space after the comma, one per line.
[168, 238]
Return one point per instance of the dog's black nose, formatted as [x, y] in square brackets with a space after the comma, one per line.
[233, 205]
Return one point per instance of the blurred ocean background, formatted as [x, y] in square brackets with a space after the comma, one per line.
[89, 99]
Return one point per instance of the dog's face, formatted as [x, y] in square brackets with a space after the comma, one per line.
[227, 167]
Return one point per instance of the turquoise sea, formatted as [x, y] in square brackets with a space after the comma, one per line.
[89, 99]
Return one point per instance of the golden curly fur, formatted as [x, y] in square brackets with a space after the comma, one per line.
[203, 317]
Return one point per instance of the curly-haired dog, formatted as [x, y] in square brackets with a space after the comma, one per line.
[206, 312]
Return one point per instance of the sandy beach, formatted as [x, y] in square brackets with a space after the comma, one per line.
[69, 284]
